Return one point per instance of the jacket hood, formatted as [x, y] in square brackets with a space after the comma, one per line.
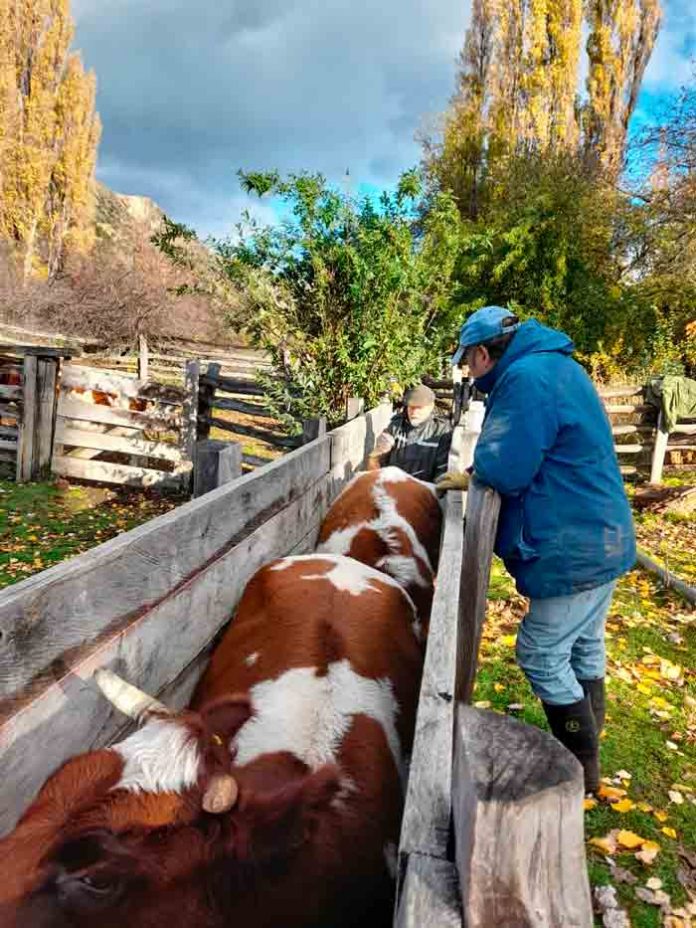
[531, 338]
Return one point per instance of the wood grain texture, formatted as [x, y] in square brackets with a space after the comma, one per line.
[25, 451]
[216, 463]
[481, 520]
[430, 895]
[126, 475]
[70, 408]
[46, 616]
[426, 822]
[110, 441]
[518, 826]
[46, 403]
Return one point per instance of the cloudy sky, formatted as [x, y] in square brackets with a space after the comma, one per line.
[191, 92]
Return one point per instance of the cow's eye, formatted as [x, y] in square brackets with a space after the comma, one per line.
[99, 883]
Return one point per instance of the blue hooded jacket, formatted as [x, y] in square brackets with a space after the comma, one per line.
[546, 447]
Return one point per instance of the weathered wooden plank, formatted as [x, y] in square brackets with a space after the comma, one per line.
[9, 433]
[40, 351]
[77, 376]
[67, 715]
[614, 392]
[119, 474]
[272, 438]
[632, 449]
[313, 429]
[25, 451]
[627, 409]
[45, 616]
[143, 358]
[658, 459]
[684, 428]
[46, 403]
[70, 408]
[426, 822]
[108, 441]
[8, 392]
[352, 442]
[429, 895]
[518, 825]
[632, 429]
[482, 508]
[8, 445]
[216, 463]
[8, 457]
[9, 412]
[189, 425]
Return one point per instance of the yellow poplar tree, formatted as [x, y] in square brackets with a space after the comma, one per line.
[518, 81]
[621, 40]
[35, 63]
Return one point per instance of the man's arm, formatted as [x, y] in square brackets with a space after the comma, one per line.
[519, 429]
[383, 446]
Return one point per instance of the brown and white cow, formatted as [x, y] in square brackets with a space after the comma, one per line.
[391, 521]
[274, 801]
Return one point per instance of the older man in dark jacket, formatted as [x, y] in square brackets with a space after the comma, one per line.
[416, 440]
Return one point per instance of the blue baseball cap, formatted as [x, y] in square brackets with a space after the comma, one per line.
[481, 327]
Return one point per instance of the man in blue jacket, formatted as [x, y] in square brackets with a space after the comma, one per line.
[565, 531]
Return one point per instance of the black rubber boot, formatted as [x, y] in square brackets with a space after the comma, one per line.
[575, 728]
[595, 690]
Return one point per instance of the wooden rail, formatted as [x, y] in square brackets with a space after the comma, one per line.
[493, 823]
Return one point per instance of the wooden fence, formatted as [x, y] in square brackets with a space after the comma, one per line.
[148, 604]
[119, 430]
[28, 389]
[643, 448]
[493, 825]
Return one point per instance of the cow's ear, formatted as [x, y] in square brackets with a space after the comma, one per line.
[224, 717]
[284, 819]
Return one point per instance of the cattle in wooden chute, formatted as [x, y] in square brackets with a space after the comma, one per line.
[391, 521]
[274, 800]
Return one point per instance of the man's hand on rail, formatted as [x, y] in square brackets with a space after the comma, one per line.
[453, 481]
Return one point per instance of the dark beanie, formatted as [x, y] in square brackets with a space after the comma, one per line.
[420, 395]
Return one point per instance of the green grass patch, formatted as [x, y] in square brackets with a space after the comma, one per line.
[651, 723]
[42, 524]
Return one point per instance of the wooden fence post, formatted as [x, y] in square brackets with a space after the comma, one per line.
[659, 451]
[313, 429]
[355, 406]
[143, 357]
[189, 424]
[27, 427]
[216, 463]
[518, 823]
[481, 520]
[45, 422]
[206, 400]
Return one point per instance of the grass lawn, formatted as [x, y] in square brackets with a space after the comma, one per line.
[44, 523]
[644, 826]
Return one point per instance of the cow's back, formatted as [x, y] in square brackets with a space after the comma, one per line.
[392, 522]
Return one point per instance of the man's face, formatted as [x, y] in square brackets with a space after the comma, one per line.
[417, 415]
[477, 360]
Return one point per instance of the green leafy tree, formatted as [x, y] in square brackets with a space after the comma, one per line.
[347, 296]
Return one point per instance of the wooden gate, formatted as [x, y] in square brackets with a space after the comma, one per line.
[116, 429]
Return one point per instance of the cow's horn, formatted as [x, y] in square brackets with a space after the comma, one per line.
[221, 794]
[126, 698]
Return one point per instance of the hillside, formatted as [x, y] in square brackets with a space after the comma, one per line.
[122, 218]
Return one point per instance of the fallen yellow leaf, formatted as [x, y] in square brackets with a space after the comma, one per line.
[589, 804]
[608, 845]
[498, 687]
[629, 839]
[670, 832]
[648, 852]
[644, 806]
[611, 793]
[644, 688]
[675, 796]
[661, 816]
[624, 805]
[508, 640]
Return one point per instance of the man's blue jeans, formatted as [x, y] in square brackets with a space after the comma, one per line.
[561, 641]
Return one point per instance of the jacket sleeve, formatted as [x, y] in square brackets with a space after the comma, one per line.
[519, 429]
[442, 456]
